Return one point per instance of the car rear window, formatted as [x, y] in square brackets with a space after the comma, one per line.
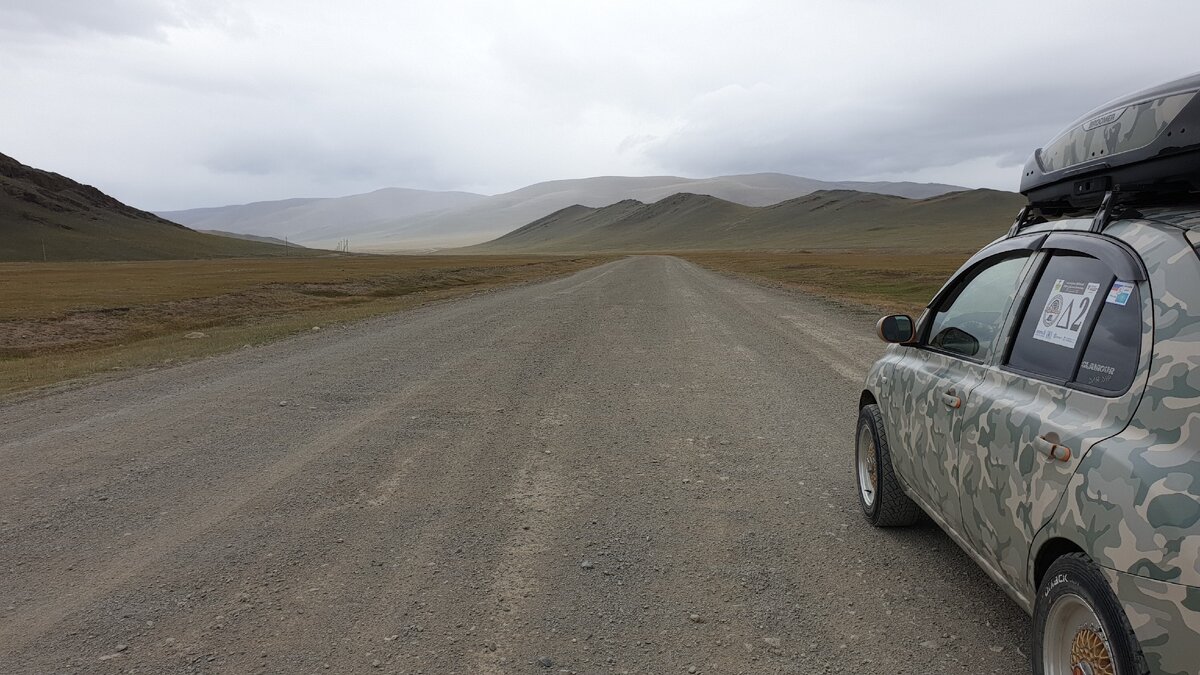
[1082, 325]
[1112, 352]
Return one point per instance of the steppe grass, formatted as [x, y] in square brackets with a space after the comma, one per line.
[890, 281]
[64, 321]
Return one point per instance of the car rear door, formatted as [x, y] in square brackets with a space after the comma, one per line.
[1065, 383]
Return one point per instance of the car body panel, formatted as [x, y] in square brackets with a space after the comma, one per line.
[930, 465]
[1153, 467]
[1009, 488]
[1165, 618]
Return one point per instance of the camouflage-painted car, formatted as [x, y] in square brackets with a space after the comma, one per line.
[1045, 412]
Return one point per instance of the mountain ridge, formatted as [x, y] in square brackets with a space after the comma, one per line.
[825, 219]
[477, 218]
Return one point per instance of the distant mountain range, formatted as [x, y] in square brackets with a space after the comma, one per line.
[822, 220]
[403, 219]
[47, 216]
[324, 222]
[44, 215]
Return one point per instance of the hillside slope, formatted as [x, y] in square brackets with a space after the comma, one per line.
[493, 216]
[44, 215]
[826, 219]
[253, 237]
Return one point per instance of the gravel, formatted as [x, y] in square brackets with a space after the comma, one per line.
[424, 500]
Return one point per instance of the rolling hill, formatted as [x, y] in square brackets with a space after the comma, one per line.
[828, 219]
[46, 216]
[398, 219]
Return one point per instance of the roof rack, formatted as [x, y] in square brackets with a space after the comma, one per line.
[1110, 205]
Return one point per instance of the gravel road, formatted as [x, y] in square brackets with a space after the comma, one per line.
[641, 468]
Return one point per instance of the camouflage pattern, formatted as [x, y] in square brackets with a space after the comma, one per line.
[1130, 494]
[1118, 131]
[923, 424]
[1166, 619]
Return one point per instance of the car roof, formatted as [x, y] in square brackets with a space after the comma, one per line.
[1186, 218]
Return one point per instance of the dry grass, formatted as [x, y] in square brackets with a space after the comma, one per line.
[890, 281]
[62, 321]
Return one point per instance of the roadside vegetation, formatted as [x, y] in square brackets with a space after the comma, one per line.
[890, 281]
[62, 321]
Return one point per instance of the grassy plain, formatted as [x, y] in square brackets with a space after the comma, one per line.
[891, 281]
[61, 321]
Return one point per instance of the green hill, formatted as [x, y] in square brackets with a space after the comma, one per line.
[830, 219]
[44, 215]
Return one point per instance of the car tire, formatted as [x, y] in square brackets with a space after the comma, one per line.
[1078, 620]
[879, 493]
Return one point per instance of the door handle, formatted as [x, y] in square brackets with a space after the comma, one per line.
[953, 402]
[1048, 445]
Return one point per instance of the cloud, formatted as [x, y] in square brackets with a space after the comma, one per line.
[122, 18]
[182, 103]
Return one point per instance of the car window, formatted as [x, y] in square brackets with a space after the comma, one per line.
[1111, 356]
[968, 320]
[1056, 338]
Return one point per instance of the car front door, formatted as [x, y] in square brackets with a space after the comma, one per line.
[1066, 382]
[958, 337]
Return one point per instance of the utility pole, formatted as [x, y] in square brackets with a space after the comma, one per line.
[285, 247]
[43, 249]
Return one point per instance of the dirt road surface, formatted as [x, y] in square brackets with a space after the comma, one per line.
[641, 468]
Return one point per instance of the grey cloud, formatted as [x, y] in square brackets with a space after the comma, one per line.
[123, 18]
[316, 161]
[749, 129]
[141, 18]
[202, 102]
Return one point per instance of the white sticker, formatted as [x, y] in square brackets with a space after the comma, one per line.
[1065, 310]
[1120, 292]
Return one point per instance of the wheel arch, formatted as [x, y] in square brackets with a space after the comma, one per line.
[866, 398]
[1052, 549]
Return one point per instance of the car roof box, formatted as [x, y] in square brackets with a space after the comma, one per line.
[1145, 142]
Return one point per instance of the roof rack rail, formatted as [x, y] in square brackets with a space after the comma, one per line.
[1031, 214]
[1104, 213]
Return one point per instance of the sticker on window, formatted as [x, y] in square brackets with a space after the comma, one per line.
[1065, 310]
[1098, 373]
[1120, 292]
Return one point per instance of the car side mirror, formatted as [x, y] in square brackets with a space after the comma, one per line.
[958, 341]
[896, 329]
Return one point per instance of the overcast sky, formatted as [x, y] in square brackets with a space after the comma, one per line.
[171, 104]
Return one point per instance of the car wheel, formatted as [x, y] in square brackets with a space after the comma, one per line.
[883, 500]
[1079, 627]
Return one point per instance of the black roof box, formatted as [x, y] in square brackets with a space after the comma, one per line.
[1145, 142]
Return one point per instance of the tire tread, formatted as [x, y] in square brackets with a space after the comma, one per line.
[895, 508]
[1084, 568]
